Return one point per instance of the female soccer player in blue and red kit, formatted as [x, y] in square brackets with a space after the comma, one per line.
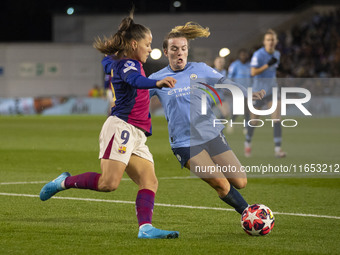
[123, 135]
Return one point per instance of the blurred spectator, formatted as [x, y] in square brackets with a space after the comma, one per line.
[96, 91]
[311, 49]
[219, 66]
[28, 105]
[109, 91]
[224, 109]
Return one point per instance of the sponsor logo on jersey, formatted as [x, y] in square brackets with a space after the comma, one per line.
[122, 149]
[130, 65]
[177, 91]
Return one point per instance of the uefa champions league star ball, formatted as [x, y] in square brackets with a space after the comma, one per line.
[257, 220]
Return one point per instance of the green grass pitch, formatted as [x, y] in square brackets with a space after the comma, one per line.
[38, 148]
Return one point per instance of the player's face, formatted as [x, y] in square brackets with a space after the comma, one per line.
[177, 53]
[243, 56]
[219, 63]
[270, 42]
[142, 48]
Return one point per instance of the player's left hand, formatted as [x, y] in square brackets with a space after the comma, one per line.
[259, 95]
[272, 61]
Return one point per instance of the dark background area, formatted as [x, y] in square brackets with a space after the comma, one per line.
[27, 21]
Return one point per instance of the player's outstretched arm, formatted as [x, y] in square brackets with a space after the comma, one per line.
[259, 95]
[256, 71]
[167, 82]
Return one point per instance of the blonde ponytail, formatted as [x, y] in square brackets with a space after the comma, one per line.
[190, 31]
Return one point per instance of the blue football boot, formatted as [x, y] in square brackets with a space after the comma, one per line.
[53, 187]
[147, 231]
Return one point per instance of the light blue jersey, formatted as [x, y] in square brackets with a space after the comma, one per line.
[223, 72]
[182, 106]
[240, 72]
[267, 79]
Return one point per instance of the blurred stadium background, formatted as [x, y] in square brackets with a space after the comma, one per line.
[46, 47]
[46, 58]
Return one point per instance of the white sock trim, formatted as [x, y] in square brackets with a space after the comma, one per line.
[144, 225]
[62, 184]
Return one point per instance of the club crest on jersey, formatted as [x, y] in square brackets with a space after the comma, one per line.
[122, 149]
[193, 76]
[130, 65]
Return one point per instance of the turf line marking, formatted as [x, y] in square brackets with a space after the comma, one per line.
[168, 205]
[190, 177]
[14, 183]
[177, 177]
[123, 179]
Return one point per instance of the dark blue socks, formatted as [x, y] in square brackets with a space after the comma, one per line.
[235, 199]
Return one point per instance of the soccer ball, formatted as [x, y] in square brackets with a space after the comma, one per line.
[257, 220]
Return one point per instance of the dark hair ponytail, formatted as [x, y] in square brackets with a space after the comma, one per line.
[119, 43]
[126, 23]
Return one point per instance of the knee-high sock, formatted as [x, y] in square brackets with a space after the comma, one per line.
[277, 134]
[144, 206]
[235, 199]
[246, 115]
[250, 134]
[87, 180]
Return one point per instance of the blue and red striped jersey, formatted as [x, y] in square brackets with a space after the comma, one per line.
[131, 91]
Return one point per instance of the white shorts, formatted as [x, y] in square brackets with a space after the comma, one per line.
[119, 139]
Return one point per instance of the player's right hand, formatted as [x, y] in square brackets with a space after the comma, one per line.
[259, 95]
[272, 61]
[168, 82]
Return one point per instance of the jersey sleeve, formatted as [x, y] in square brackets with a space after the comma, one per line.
[107, 63]
[130, 72]
[255, 60]
[214, 77]
[231, 70]
[152, 92]
[229, 82]
[211, 75]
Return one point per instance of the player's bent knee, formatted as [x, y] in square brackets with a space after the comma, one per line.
[220, 185]
[155, 183]
[241, 183]
[253, 122]
[150, 184]
[108, 186]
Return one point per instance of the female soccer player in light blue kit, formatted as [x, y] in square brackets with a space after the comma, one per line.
[194, 141]
[239, 70]
[123, 135]
[264, 63]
